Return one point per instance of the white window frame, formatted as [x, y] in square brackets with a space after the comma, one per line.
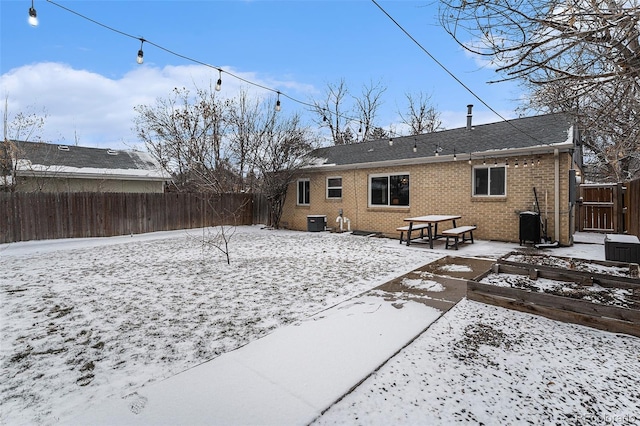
[488, 168]
[389, 204]
[307, 181]
[333, 187]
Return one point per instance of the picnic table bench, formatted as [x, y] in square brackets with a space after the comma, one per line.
[458, 232]
[420, 226]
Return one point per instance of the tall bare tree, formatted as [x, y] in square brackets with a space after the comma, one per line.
[279, 156]
[350, 119]
[185, 133]
[420, 116]
[575, 56]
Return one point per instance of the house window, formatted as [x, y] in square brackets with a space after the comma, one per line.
[490, 181]
[389, 190]
[334, 187]
[303, 192]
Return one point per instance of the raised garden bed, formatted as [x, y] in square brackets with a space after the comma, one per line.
[602, 295]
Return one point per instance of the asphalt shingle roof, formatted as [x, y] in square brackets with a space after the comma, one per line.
[527, 132]
[82, 157]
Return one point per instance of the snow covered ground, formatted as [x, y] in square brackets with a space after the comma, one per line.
[88, 319]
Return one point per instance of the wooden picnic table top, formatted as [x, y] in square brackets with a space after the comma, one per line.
[432, 218]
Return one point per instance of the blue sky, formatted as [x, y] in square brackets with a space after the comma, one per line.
[86, 81]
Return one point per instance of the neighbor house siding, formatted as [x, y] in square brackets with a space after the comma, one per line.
[442, 188]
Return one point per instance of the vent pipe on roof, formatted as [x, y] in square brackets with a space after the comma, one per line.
[469, 116]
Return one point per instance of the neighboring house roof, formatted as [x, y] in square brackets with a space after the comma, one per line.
[523, 136]
[51, 160]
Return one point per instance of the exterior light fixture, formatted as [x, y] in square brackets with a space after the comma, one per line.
[33, 16]
[278, 103]
[219, 82]
[140, 58]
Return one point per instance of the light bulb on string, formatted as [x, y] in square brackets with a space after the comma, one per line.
[390, 141]
[219, 82]
[455, 157]
[278, 107]
[33, 16]
[516, 164]
[140, 58]
[415, 146]
[470, 162]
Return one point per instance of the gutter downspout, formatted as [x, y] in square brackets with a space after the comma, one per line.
[556, 201]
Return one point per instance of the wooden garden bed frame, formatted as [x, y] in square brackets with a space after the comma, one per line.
[601, 316]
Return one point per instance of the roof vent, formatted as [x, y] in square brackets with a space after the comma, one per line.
[112, 152]
[63, 148]
[469, 117]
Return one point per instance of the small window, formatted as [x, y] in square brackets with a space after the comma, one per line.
[334, 187]
[389, 190]
[490, 181]
[303, 192]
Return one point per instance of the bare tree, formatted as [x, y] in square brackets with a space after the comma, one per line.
[245, 132]
[421, 116]
[24, 127]
[350, 119]
[578, 57]
[185, 134]
[367, 107]
[279, 156]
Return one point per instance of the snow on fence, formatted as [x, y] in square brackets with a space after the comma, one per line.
[38, 216]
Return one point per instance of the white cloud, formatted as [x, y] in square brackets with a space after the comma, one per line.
[98, 110]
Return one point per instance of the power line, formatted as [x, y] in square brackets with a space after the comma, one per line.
[451, 73]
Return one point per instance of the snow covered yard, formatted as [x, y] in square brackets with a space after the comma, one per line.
[88, 319]
[83, 320]
[480, 364]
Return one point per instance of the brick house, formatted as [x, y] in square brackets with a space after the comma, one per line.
[43, 167]
[488, 174]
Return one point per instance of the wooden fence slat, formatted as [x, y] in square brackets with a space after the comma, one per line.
[33, 216]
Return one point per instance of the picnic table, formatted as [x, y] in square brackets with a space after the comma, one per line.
[431, 223]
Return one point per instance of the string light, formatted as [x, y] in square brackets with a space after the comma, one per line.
[455, 158]
[516, 164]
[33, 16]
[390, 141]
[470, 162]
[506, 163]
[438, 149]
[495, 161]
[219, 82]
[415, 145]
[140, 58]
[525, 163]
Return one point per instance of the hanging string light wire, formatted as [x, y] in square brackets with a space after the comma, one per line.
[261, 86]
[187, 58]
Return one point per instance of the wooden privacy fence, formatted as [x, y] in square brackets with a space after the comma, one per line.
[613, 208]
[38, 216]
